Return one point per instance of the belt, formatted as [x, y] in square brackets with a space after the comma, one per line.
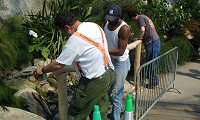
[106, 68]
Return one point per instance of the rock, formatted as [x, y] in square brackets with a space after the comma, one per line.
[48, 89]
[32, 79]
[18, 114]
[53, 107]
[28, 71]
[52, 82]
[40, 62]
[32, 104]
[46, 62]
[128, 88]
[20, 83]
[56, 117]
[19, 7]
[43, 82]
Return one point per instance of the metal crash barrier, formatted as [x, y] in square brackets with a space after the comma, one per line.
[153, 79]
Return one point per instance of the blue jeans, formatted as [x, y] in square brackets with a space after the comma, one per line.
[153, 51]
[116, 91]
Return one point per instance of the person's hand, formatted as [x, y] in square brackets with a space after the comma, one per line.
[38, 71]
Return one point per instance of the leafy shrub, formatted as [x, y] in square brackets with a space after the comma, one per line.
[193, 6]
[185, 49]
[50, 40]
[166, 17]
[13, 44]
[163, 15]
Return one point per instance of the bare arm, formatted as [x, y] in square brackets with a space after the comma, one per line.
[142, 31]
[123, 36]
[53, 66]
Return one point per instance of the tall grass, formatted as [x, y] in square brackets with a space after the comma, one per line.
[13, 44]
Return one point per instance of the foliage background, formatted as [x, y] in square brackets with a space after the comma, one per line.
[15, 44]
[18, 48]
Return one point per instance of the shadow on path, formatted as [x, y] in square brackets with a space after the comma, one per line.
[193, 73]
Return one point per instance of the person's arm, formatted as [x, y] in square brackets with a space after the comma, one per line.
[123, 36]
[142, 24]
[51, 67]
[142, 31]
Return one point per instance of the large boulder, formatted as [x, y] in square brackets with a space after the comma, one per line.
[32, 104]
[20, 83]
[9, 113]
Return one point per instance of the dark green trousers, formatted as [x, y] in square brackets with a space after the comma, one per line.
[91, 92]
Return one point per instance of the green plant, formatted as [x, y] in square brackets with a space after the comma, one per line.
[7, 96]
[13, 44]
[163, 14]
[185, 49]
[50, 40]
[193, 7]
[167, 19]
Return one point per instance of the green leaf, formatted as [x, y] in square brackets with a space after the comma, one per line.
[75, 7]
[89, 11]
[31, 48]
[45, 52]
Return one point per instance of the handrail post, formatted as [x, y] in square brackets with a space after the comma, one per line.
[137, 45]
[61, 76]
[137, 59]
[62, 95]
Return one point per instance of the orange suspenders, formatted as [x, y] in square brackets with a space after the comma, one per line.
[91, 41]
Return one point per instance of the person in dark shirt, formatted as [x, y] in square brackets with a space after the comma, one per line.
[150, 39]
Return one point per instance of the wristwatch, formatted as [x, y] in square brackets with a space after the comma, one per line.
[43, 70]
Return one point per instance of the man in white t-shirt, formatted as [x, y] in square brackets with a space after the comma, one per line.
[117, 34]
[87, 49]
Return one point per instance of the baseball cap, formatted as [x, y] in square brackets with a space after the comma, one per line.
[113, 12]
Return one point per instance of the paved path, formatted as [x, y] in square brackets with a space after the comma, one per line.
[184, 106]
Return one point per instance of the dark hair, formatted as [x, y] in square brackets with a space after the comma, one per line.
[133, 13]
[64, 18]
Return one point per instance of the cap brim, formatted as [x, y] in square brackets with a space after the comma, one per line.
[111, 18]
